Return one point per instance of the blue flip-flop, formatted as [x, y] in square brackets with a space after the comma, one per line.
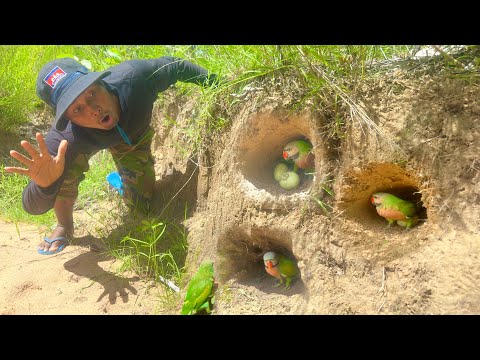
[60, 248]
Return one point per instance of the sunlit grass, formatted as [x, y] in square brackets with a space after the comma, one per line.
[94, 188]
[20, 64]
[152, 246]
[158, 247]
[11, 209]
[239, 64]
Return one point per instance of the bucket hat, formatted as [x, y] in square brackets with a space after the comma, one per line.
[60, 82]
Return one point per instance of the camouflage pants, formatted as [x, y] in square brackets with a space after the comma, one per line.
[135, 165]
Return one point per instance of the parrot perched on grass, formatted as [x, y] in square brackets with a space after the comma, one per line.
[280, 267]
[395, 209]
[199, 290]
[300, 152]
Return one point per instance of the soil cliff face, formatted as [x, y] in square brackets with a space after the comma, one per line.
[419, 139]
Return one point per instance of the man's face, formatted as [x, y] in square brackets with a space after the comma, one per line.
[94, 108]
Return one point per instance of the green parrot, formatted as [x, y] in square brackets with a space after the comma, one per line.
[300, 152]
[408, 223]
[395, 209]
[199, 290]
[280, 267]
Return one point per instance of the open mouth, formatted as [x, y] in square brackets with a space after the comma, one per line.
[107, 122]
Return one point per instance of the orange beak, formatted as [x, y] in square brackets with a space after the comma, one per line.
[285, 155]
[269, 265]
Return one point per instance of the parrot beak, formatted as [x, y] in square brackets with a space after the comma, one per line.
[285, 155]
[269, 265]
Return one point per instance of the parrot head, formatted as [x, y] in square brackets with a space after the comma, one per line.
[270, 259]
[206, 267]
[289, 151]
[377, 198]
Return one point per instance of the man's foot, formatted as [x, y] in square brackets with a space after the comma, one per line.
[57, 239]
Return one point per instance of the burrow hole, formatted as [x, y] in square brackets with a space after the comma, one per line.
[261, 144]
[387, 178]
[241, 257]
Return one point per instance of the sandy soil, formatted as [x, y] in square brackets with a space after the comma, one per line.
[78, 280]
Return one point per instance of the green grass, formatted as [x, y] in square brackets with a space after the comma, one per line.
[19, 66]
[153, 246]
[239, 64]
[158, 248]
[94, 188]
[11, 209]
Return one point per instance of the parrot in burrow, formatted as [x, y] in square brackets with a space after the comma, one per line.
[394, 209]
[199, 290]
[280, 267]
[408, 223]
[300, 152]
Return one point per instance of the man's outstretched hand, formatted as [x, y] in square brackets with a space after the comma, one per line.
[42, 168]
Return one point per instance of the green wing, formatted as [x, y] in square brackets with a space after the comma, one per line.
[287, 267]
[199, 289]
[406, 207]
[303, 146]
[197, 294]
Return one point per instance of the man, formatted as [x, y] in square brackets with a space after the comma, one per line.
[93, 111]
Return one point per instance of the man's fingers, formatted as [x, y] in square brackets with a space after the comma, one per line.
[62, 149]
[30, 149]
[22, 158]
[41, 144]
[102, 295]
[132, 289]
[16, 170]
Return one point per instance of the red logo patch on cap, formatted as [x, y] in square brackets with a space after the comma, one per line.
[54, 76]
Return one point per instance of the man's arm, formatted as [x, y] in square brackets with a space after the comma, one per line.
[167, 70]
[37, 200]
